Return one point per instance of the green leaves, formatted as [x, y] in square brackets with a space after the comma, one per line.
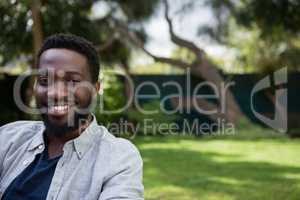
[67, 17]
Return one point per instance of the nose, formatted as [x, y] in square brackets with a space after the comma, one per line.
[57, 91]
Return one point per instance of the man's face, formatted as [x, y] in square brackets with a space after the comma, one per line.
[63, 89]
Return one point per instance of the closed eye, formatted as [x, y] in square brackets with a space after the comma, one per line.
[74, 81]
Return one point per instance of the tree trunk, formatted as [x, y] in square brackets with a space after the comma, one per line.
[37, 35]
[209, 72]
[37, 30]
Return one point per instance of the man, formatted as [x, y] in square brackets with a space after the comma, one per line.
[67, 156]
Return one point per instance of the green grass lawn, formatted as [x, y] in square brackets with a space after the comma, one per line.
[216, 169]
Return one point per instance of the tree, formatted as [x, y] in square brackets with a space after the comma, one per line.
[25, 24]
[269, 29]
[201, 66]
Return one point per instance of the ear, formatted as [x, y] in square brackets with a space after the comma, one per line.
[97, 86]
[34, 85]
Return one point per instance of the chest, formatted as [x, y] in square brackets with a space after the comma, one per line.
[73, 178]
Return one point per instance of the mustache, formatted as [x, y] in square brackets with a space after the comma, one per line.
[57, 102]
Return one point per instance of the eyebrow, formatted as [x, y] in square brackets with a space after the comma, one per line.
[45, 71]
[73, 72]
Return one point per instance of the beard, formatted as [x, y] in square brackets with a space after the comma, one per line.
[63, 130]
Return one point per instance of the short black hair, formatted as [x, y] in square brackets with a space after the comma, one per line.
[75, 43]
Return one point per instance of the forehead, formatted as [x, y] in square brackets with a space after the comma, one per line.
[63, 60]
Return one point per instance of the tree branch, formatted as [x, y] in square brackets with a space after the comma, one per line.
[106, 44]
[178, 40]
[131, 36]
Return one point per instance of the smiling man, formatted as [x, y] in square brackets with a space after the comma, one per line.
[67, 156]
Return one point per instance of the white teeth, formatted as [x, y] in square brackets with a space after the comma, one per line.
[58, 108]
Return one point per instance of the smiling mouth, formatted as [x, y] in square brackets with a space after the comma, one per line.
[58, 110]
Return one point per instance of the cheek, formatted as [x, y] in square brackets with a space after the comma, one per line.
[40, 93]
[83, 96]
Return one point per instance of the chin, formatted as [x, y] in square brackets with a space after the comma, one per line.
[60, 126]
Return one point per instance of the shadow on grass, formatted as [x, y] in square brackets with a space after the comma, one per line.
[238, 137]
[201, 173]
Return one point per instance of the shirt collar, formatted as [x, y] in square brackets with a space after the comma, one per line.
[38, 138]
[83, 143]
[80, 144]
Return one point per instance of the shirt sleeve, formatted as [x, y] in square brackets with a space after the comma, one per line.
[5, 136]
[1, 152]
[10, 134]
[4, 141]
[126, 179]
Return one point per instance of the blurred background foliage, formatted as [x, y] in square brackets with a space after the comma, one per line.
[110, 98]
[72, 16]
[273, 25]
[264, 34]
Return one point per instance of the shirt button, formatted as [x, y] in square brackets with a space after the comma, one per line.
[40, 147]
[25, 162]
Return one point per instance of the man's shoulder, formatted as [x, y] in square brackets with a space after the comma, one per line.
[123, 160]
[120, 149]
[116, 143]
[21, 125]
[18, 129]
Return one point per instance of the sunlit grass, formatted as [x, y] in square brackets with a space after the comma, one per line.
[216, 169]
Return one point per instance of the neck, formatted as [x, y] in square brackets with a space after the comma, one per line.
[52, 139]
[56, 144]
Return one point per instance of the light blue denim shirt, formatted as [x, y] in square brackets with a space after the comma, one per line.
[94, 166]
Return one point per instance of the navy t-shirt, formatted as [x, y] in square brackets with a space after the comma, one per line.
[34, 182]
